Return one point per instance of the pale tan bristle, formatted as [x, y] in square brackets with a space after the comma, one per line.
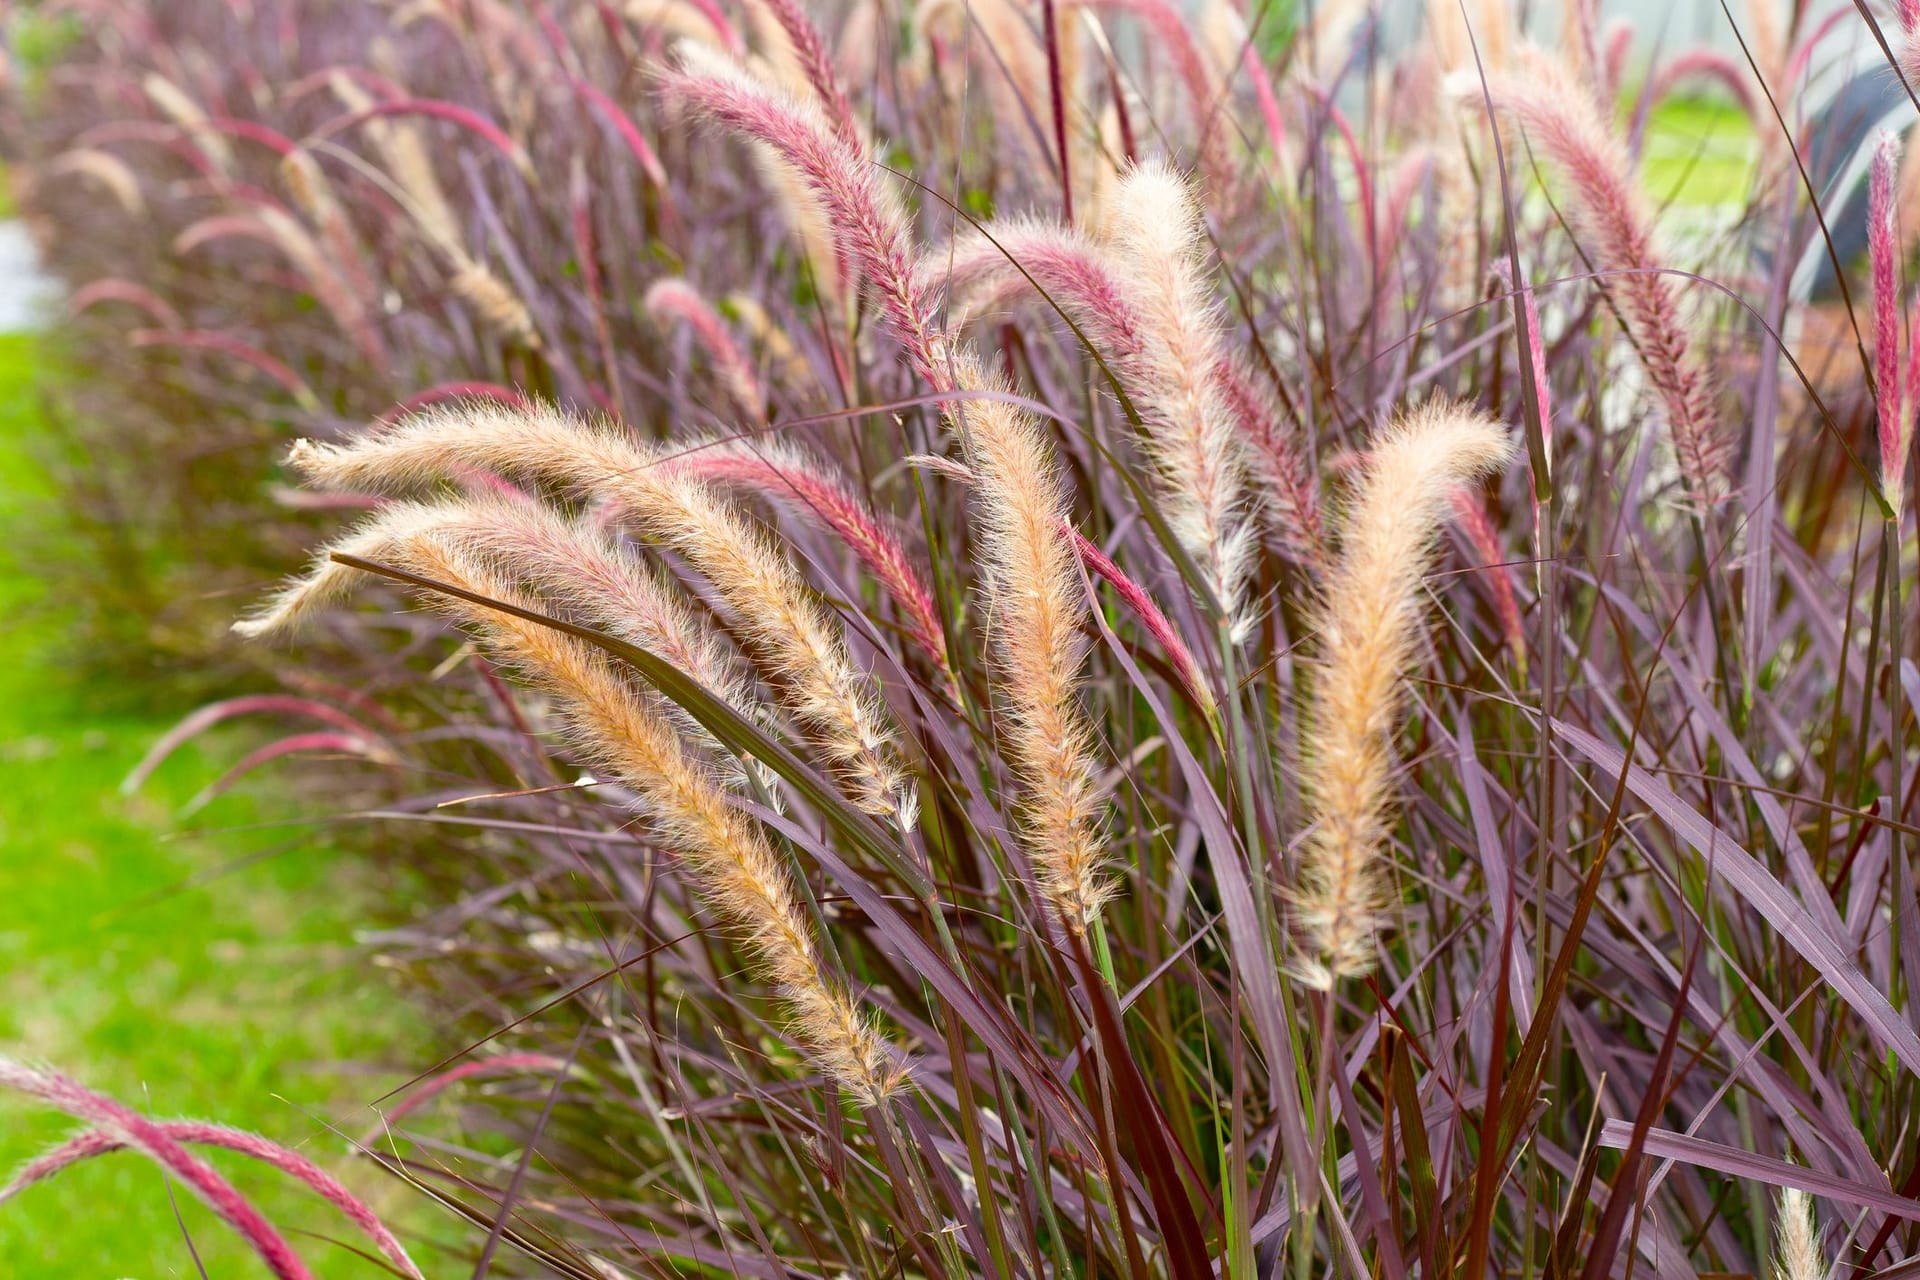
[1369, 624]
[403, 150]
[109, 170]
[790, 368]
[178, 107]
[1797, 1252]
[312, 194]
[1191, 436]
[567, 563]
[800, 644]
[726, 857]
[1037, 603]
[674, 19]
[494, 303]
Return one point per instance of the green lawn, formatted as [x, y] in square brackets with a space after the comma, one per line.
[238, 998]
[1699, 152]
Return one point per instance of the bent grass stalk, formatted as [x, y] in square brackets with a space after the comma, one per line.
[93, 1143]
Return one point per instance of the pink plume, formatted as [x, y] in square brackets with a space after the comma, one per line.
[434, 1085]
[629, 132]
[1883, 247]
[1079, 277]
[454, 113]
[104, 1141]
[228, 345]
[153, 1141]
[808, 490]
[1615, 227]
[1475, 523]
[113, 289]
[817, 65]
[253, 704]
[867, 231]
[1708, 64]
[675, 299]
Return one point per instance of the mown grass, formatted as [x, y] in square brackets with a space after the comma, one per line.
[209, 977]
[1700, 153]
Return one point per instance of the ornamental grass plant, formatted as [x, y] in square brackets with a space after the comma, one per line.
[1033, 638]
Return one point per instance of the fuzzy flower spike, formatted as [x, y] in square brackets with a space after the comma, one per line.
[1021, 502]
[1608, 213]
[1200, 455]
[1369, 622]
[1797, 1253]
[789, 632]
[1897, 397]
[628, 735]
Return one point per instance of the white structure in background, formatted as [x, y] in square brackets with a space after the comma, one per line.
[27, 295]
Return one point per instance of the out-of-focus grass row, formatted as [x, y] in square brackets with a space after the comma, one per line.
[209, 977]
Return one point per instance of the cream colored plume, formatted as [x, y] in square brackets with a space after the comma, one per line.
[1797, 1252]
[569, 563]
[799, 644]
[1369, 628]
[403, 151]
[627, 736]
[1037, 601]
[1157, 234]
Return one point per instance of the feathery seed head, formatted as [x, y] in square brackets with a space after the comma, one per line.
[109, 170]
[1191, 434]
[797, 642]
[1609, 214]
[1036, 599]
[1895, 406]
[729, 860]
[1369, 625]
[494, 303]
[868, 227]
[179, 107]
[1028, 562]
[627, 735]
[570, 564]
[152, 1140]
[1797, 1253]
[1091, 283]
